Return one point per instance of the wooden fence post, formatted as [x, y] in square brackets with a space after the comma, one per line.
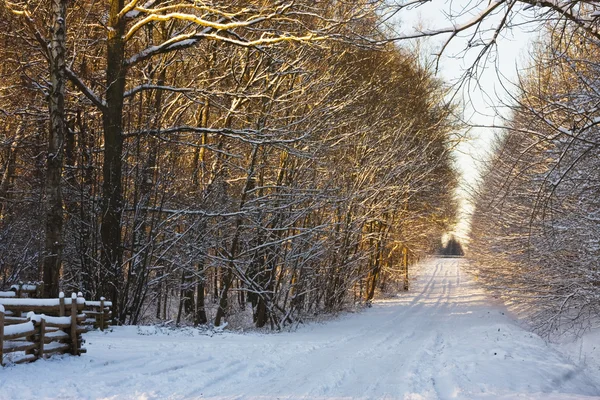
[74, 349]
[41, 336]
[61, 304]
[102, 313]
[31, 338]
[1, 334]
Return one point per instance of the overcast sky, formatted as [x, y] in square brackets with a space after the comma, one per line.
[482, 97]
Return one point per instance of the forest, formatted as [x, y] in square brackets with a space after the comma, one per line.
[201, 162]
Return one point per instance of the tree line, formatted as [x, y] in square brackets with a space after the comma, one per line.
[535, 228]
[193, 160]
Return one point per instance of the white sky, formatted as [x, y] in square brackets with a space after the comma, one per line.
[482, 96]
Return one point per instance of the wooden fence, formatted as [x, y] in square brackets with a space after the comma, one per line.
[98, 313]
[50, 325]
[30, 289]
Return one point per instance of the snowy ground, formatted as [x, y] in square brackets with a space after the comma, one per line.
[443, 340]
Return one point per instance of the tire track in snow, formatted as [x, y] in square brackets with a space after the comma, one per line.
[397, 335]
[163, 371]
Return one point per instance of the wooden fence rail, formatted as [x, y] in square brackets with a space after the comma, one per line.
[50, 326]
[99, 313]
[30, 289]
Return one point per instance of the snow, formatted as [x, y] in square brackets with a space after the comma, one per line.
[584, 351]
[97, 303]
[17, 329]
[30, 288]
[55, 346]
[52, 320]
[8, 294]
[444, 339]
[39, 302]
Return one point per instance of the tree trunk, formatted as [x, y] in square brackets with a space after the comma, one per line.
[111, 252]
[86, 243]
[54, 210]
[9, 172]
[234, 243]
[200, 317]
[181, 299]
[262, 313]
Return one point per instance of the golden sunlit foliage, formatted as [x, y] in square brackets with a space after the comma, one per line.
[224, 156]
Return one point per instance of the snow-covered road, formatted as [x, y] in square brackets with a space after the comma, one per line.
[445, 339]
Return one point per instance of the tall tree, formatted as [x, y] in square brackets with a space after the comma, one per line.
[54, 204]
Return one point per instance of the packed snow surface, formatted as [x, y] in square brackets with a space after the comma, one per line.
[444, 339]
